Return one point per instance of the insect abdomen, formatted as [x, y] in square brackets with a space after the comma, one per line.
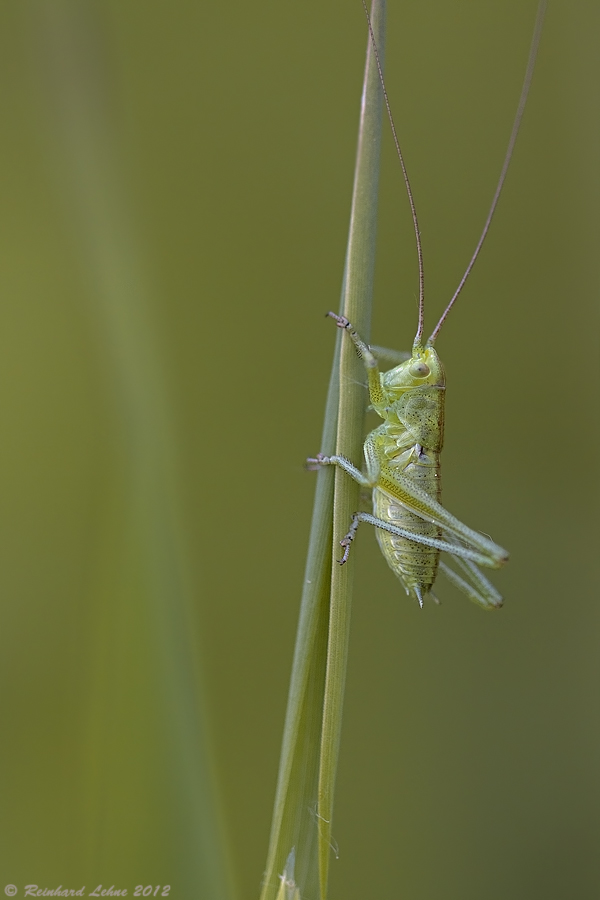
[415, 564]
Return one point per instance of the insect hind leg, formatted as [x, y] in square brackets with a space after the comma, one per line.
[459, 551]
[346, 542]
[479, 591]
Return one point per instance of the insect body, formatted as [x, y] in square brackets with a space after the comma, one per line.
[409, 444]
[403, 455]
[403, 470]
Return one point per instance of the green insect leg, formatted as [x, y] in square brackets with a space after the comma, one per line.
[364, 351]
[436, 543]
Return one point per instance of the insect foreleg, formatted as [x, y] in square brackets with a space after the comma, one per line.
[370, 362]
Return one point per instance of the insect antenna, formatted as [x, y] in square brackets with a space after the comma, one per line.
[419, 335]
[537, 31]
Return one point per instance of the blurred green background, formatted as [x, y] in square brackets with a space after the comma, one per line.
[175, 186]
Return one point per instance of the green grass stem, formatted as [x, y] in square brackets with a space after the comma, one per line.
[356, 306]
[298, 857]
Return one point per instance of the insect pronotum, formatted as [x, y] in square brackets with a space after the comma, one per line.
[403, 454]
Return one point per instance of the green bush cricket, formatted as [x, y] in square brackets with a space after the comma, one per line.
[403, 454]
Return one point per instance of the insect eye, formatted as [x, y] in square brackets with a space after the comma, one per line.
[419, 370]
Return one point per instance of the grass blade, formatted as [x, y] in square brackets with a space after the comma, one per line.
[311, 733]
[356, 306]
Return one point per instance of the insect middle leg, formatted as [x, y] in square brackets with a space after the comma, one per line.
[316, 462]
